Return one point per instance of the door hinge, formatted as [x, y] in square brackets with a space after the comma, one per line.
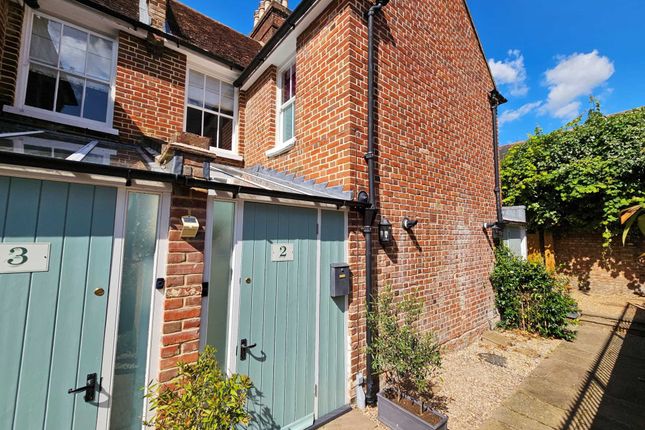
[204, 289]
[317, 229]
[315, 390]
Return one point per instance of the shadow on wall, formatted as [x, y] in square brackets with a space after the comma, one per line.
[591, 267]
[613, 392]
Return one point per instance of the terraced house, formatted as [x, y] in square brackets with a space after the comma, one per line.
[167, 182]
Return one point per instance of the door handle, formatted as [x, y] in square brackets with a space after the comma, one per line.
[244, 347]
[90, 388]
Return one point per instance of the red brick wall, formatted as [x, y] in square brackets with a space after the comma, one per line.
[149, 91]
[434, 139]
[183, 294]
[323, 106]
[616, 270]
[10, 31]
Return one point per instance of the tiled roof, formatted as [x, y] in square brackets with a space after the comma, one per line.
[195, 28]
[210, 35]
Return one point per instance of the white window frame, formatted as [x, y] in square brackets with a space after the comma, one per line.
[24, 62]
[233, 153]
[281, 145]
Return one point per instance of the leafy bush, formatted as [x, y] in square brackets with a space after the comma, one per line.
[530, 298]
[203, 398]
[580, 176]
[407, 358]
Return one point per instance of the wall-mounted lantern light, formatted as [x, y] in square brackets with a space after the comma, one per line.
[385, 232]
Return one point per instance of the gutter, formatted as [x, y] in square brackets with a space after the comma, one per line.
[284, 30]
[18, 159]
[180, 42]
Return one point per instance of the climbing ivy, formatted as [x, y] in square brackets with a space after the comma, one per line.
[581, 175]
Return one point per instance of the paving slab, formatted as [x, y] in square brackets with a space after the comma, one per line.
[596, 382]
[517, 420]
[352, 420]
[497, 339]
[527, 405]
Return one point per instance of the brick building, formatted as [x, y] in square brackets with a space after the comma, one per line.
[123, 123]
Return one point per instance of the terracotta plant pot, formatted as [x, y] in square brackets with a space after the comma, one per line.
[398, 416]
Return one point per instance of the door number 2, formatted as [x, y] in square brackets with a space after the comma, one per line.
[282, 252]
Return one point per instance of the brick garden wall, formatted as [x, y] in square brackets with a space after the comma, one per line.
[582, 258]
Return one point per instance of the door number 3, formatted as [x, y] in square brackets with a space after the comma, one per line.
[18, 256]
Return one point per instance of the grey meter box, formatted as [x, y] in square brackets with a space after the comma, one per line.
[340, 279]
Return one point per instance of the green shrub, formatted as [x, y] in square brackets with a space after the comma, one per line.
[407, 358]
[529, 298]
[203, 398]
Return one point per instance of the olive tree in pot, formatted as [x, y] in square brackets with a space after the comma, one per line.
[408, 361]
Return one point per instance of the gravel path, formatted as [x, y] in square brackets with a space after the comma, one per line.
[475, 380]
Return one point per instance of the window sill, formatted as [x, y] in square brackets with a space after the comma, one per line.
[281, 149]
[60, 119]
[223, 153]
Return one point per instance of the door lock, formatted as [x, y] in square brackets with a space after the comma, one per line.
[90, 388]
[244, 347]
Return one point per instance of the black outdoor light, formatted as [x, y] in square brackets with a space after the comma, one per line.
[385, 232]
[408, 223]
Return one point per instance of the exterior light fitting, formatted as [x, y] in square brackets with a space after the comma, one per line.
[385, 232]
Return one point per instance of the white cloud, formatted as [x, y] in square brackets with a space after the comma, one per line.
[510, 72]
[514, 114]
[574, 76]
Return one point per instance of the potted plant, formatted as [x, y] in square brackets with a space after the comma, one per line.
[408, 361]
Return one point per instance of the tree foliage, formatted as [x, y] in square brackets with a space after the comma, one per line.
[529, 298]
[581, 175]
[204, 398]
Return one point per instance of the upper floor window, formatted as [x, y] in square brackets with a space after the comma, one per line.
[69, 72]
[210, 105]
[287, 117]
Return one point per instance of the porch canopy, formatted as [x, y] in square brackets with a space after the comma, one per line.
[32, 147]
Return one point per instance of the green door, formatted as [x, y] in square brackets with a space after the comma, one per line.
[52, 322]
[332, 336]
[278, 314]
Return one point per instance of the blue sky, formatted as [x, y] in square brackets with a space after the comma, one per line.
[548, 56]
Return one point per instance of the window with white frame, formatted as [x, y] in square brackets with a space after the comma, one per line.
[70, 70]
[287, 117]
[210, 105]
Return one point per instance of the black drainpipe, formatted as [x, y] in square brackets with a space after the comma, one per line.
[372, 209]
[495, 99]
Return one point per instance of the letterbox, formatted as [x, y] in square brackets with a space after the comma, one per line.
[340, 279]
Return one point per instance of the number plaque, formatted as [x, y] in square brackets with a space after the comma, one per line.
[282, 252]
[24, 257]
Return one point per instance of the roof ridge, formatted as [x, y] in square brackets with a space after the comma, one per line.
[214, 20]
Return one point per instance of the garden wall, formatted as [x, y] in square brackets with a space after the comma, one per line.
[614, 270]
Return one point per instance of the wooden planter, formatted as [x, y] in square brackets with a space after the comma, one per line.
[396, 417]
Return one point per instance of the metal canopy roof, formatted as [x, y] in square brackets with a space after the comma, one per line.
[62, 151]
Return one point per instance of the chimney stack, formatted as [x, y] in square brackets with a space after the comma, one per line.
[157, 13]
[268, 18]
